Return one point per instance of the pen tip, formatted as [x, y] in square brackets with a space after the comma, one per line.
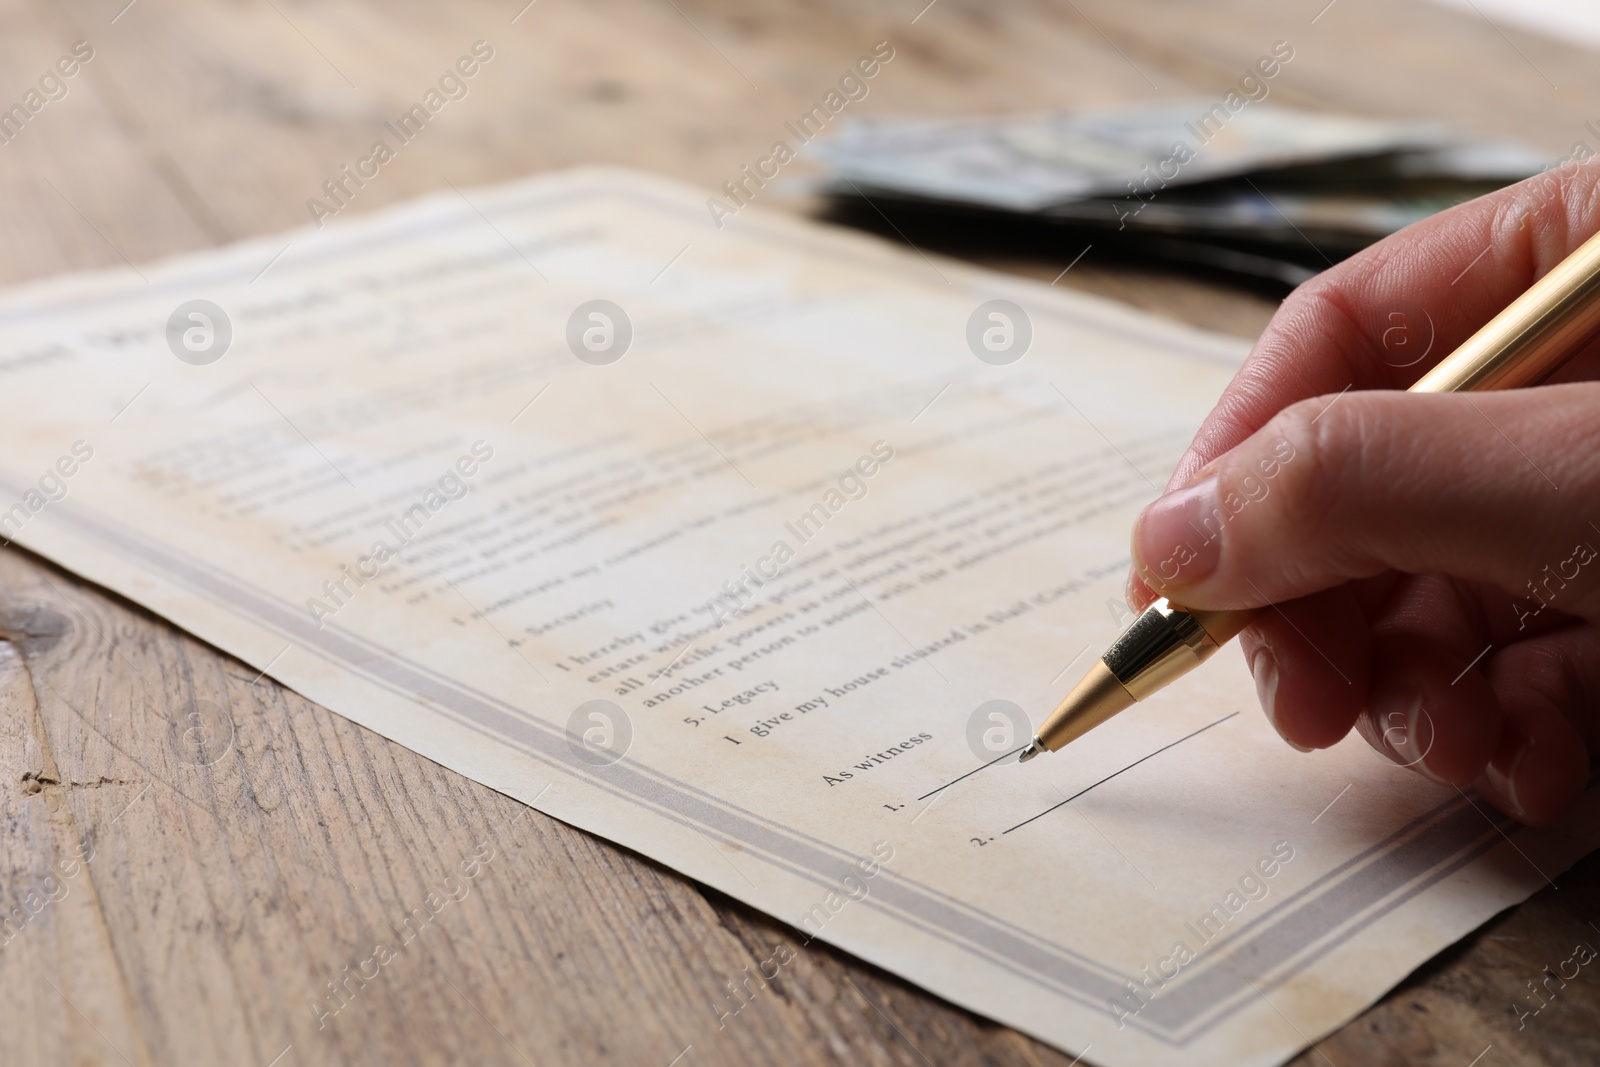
[1033, 749]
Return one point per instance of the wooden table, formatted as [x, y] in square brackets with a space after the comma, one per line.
[228, 884]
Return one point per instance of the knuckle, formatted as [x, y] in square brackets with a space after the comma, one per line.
[1550, 212]
[1312, 458]
[1315, 455]
[1561, 427]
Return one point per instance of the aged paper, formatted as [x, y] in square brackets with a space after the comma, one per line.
[726, 544]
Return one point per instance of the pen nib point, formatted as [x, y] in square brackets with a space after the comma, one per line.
[1033, 749]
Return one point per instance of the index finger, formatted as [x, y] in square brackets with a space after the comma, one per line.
[1384, 317]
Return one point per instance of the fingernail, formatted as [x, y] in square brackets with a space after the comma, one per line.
[1179, 537]
[1504, 784]
[1264, 669]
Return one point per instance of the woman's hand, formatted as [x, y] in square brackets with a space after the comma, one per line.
[1434, 559]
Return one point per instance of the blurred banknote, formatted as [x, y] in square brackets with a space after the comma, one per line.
[1345, 219]
[1034, 163]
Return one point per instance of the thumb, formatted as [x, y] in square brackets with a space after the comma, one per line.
[1501, 488]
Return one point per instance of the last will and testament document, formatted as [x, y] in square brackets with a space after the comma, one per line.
[725, 544]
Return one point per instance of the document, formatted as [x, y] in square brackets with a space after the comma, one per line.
[760, 550]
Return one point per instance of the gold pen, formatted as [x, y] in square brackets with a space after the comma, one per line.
[1522, 345]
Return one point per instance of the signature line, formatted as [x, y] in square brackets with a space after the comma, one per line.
[970, 773]
[1112, 775]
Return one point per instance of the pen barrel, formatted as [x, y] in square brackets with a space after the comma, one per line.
[1533, 336]
[1167, 641]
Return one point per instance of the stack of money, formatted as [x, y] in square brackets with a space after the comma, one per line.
[1265, 191]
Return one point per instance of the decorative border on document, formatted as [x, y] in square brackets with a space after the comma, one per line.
[1301, 928]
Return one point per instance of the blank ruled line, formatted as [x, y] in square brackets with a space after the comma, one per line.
[975, 770]
[1108, 777]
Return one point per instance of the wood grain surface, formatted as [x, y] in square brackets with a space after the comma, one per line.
[205, 865]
